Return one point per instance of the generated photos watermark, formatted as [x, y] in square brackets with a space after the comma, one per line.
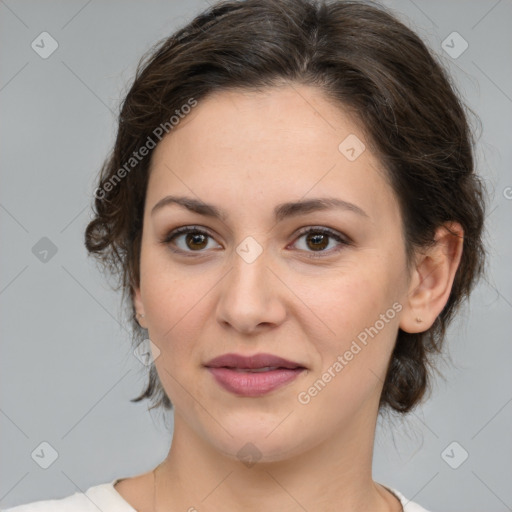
[137, 156]
[305, 397]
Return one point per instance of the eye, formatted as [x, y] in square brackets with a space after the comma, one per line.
[317, 240]
[192, 238]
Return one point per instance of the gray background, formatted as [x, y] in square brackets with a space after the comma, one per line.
[67, 372]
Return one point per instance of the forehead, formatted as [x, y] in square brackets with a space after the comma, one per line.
[265, 145]
[283, 121]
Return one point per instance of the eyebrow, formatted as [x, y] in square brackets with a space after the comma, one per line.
[281, 211]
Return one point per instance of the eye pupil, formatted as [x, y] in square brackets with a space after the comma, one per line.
[193, 238]
[318, 238]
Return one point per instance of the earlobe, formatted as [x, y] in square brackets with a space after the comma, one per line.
[432, 279]
[139, 307]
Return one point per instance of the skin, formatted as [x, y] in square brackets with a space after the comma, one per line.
[245, 152]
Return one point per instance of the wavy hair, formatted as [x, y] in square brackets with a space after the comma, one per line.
[366, 61]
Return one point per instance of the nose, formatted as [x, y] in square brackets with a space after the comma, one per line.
[250, 296]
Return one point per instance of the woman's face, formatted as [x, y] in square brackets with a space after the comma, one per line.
[257, 283]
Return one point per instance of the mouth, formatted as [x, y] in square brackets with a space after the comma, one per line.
[257, 362]
[255, 375]
[258, 370]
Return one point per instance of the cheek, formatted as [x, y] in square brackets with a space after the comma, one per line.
[175, 311]
[358, 309]
[172, 302]
[352, 361]
[170, 292]
[345, 303]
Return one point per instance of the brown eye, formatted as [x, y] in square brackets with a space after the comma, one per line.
[318, 239]
[188, 239]
[195, 240]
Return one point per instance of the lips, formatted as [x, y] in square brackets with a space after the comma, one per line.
[255, 362]
[255, 375]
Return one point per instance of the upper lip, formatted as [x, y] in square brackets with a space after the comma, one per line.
[251, 362]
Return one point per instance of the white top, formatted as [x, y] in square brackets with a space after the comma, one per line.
[104, 497]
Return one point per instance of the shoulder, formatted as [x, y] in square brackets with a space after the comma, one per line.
[407, 504]
[102, 497]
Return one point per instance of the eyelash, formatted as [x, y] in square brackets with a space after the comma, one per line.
[344, 241]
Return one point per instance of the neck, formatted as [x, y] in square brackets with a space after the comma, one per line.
[197, 476]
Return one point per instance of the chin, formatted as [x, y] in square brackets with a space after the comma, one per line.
[251, 444]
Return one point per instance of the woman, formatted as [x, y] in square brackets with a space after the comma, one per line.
[293, 213]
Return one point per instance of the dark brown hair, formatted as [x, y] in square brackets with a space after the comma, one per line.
[365, 61]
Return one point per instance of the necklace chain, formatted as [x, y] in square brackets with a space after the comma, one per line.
[154, 486]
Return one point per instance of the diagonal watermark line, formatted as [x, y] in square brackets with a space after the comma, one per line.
[501, 408]
[300, 300]
[1, 499]
[485, 15]
[492, 81]
[414, 414]
[82, 491]
[424, 13]
[378, 376]
[13, 77]
[491, 212]
[113, 113]
[94, 405]
[94, 298]
[216, 487]
[72, 481]
[504, 298]
[408, 501]
[13, 218]
[199, 403]
[14, 423]
[282, 421]
[297, 92]
[285, 490]
[3, 3]
[74, 16]
[13, 279]
[508, 508]
[497, 291]
[73, 219]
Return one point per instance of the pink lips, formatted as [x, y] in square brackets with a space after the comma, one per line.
[233, 373]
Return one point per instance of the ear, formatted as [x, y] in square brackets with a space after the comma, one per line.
[139, 307]
[432, 279]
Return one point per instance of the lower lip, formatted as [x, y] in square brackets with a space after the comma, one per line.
[252, 383]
